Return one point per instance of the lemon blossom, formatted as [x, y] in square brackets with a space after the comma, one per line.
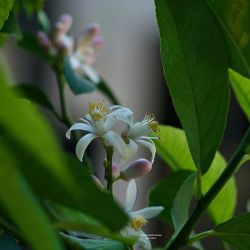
[98, 123]
[81, 51]
[139, 133]
[139, 218]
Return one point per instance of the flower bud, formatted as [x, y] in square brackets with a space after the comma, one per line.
[98, 42]
[63, 24]
[115, 170]
[136, 169]
[92, 29]
[43, 40]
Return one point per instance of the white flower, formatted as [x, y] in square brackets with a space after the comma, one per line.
[138, 218]
[139, 133]
[82, 52]
[98, 123]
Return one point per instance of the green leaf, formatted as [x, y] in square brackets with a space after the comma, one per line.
[234, 18]
[77, 84]
[173, 149]
[23, 208]
[30, 43]
[180, 209]
[8, 243]
[11, 26]
[43, 20]
[31, 6]
[5, 8]
[169, 187]
[241, 87]
[104, 88]
[235, 231]
[80, 244]
[57, 178]
[34, 94]
[195, 63]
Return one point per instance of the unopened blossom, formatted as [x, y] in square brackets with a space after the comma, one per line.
[139, 133]
[98, 123]
[138, 218]
[136, 169]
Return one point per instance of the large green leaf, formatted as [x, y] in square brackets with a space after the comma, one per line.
[241, 87]
[234, 18]
[180, 209]
[5, 8]
[195, 63]
[173, 149]
[164, 192]
[23, 208]
[91, 244]
[235, 231]
[50, 174]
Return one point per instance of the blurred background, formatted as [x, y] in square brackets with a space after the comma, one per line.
[130, 62]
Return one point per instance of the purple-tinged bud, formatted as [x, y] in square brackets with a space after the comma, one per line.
[64, 23]
[97, 182]
[43, 39]
[136, 169]
[92, 29]
[98, 42]
[115, 170]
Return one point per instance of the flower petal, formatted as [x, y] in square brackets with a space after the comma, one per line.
[131, 195]
[150, 145]
[123, 114]
[115, 140]
[148, 212]
[91, 73]
[83, 144]
[143, 242]
[79, 126]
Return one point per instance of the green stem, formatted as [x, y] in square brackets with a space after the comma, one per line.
[181, 237]
[200, 236]
[108, 167]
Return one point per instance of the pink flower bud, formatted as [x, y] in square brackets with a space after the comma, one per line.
[64, 23]
[136, 169]
[92, 29]
[43, 39]
[98, 42]
[115, 170]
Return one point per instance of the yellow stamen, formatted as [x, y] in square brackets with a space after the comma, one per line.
[138, 222]
[97, 110]
[152, 123]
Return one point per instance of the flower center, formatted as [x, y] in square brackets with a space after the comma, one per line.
[97, 110]
[152, 123]
[138, 222]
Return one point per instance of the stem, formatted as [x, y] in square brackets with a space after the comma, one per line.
[108, 166]
[200, 236]
[180, 238]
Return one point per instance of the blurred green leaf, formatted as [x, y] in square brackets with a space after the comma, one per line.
[104, 244]
[11, 26]
[43, 20]
[5, 8]
[234, 17]
[34, 94]
[30, 43]
[235, 231]
[58, 178]
[31, 6]
[164, 193]
[180, 209]
[173, 149]
[241, 87]
[8, 243]
[23, 207]
[77, 84]
[104, 88]
[195, 64]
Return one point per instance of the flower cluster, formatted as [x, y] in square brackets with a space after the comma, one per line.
[81, 51]
[99, 122]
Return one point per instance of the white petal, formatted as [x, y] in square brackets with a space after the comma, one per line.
[122, 113]
[143, 243]
[79, 126]
[148, 212]
[91, 73]
[115, 140]
[131, 195]
[83, 144]
[150, 145]
[131, 149]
